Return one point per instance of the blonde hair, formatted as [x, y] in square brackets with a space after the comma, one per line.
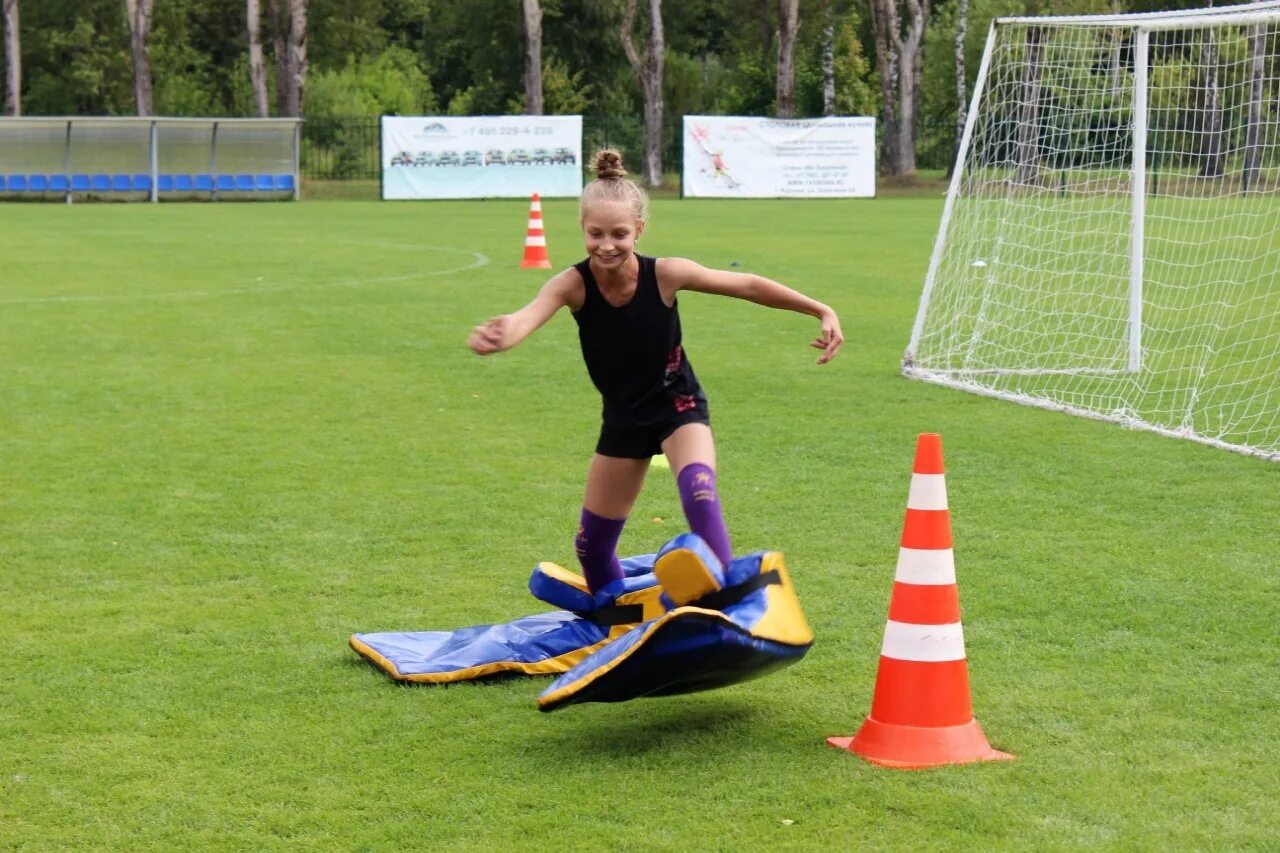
[611, 185]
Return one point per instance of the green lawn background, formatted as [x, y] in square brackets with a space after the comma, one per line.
[232, 435]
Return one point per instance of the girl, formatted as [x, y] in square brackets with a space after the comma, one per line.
[625, 307]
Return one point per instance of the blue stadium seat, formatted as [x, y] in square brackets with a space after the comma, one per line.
[59, 183]
[204, 183]
[79, 183]
[37, 183]
[284, 182]
[264, 183]
[100, 183]
[244, 183]
[142, 183]
[183, 183]
[17, 183]
[1, 183]
[164, 183]
[225, 183]
[121, 183]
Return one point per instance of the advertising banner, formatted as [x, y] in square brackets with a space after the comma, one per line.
[742, 157]
[481, 156]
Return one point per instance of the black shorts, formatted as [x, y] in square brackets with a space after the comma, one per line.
[645, 442]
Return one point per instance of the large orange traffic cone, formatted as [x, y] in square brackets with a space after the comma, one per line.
[921, 714]
[535, 243]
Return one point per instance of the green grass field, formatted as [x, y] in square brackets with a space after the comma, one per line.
[232, 435]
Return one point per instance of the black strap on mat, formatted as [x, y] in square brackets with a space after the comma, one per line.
[617, 614]
[630, 614]
[722, 598]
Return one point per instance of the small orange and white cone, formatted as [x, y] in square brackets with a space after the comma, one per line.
[921, 714]
[535, 241]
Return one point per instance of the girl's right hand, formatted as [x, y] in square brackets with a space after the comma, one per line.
[487, 338]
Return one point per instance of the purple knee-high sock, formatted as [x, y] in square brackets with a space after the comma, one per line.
[596, 544]
[701, 502]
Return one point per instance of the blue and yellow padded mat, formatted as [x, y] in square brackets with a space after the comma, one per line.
[543, 644]
[679, 622]
[749, 625]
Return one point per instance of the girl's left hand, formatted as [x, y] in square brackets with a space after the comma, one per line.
[831, 338]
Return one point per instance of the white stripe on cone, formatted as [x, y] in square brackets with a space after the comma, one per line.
[925, 643]
[535, 224]
[933, 567]
[535, 240]
[536, 206]
[928, 491]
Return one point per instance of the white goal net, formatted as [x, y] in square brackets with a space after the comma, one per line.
[1110, 243]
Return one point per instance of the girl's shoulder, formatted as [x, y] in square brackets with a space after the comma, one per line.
[676, 270]
[572, 285]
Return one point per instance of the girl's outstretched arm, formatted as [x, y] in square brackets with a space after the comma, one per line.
[505, 331]
[682, 274]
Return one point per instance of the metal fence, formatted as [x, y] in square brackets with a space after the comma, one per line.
[347, 148]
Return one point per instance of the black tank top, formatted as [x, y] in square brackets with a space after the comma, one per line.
[633, 352]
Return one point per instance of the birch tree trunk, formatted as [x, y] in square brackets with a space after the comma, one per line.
[532, 58]
[788, 24]
[900, 58]
[257, 66]
[139, 12]
[828, 60]
[12, 60]
[914, 45]
[1211, 166]
[1029, 115]
[297, 55]
[648, 71]
[884, 22]
[279, 27]
[1117, 37]
[962, 94]
[1257, 67]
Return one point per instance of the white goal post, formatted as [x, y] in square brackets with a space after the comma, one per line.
[1110, 241]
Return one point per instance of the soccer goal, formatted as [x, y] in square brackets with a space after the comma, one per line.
[1110, 242]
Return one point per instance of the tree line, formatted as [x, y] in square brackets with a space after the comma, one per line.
[907, 62]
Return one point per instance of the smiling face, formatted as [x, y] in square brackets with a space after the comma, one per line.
[610, 230]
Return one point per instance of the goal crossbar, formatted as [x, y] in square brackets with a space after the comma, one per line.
[1247, 13]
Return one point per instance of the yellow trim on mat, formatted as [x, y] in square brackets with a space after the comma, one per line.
[684, 576]
[650, 598]
[783, 620]
[653, 626]
[549, 666]
[560, 573]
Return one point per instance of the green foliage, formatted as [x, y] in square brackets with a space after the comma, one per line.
[751, 86]
[367, 57]
[857, 83]
[463, 102]
[683, 90]
[184, 82]
[72, 69]
[563, 91]
[392, 82]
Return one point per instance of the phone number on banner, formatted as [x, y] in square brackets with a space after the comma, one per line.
[511, 131]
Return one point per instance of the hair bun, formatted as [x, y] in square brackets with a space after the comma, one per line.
[609, 165]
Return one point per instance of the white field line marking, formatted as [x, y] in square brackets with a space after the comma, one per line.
[478, 260]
